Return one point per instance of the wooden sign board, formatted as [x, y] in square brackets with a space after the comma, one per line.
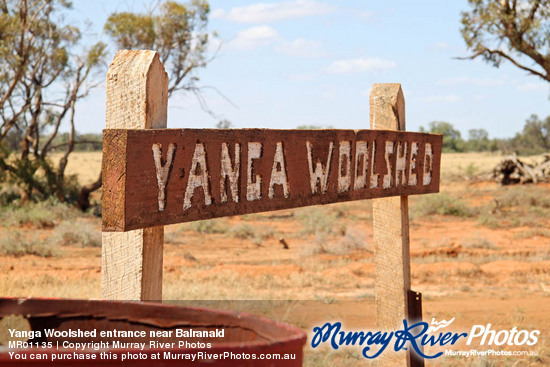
[165, 176]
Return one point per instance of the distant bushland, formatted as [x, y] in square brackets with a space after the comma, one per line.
[533, 139]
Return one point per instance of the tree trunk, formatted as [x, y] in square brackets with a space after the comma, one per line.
[84, 201]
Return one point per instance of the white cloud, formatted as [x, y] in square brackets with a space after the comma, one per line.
[350, 66]
[302, 48]
[254, 37]
[330, 92]
[441, 45]
[363, 14]
[449, 98]
[488, 82]
[482, 82]
[302, 77]
[454, 81]
[272, 12]
[532, 87]
[218, 13]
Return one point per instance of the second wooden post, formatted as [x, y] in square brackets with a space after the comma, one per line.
[391, 231]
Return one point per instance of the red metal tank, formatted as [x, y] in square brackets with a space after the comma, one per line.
[247, 340]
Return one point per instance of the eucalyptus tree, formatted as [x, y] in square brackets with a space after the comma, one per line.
[45, 69]
[514, 31]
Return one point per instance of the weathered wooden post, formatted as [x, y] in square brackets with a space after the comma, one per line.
[137, 95]
[391, 229]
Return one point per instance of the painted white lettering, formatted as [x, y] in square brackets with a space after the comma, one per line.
[344, 166]
[253, 188]
[361, 155]
[374, 177]
[413, 176]
[401, 164]
[198, 177]
[278, 176]
[428, 164]
[230, 172]
[163, 172]
[387, 181]
[319, 177]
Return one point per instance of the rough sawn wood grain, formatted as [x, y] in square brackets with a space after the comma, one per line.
[137, 95]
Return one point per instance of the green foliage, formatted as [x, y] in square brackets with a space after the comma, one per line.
[11, 142]
[209, 226]
[14, 243]
[498, 30]
[39, 180]
[517, 207]
[471, 170]
[39, 215]
[83, 142]
[452, 141]
[442, 204]
[81, 233]
[533, 232]
[516, 31]
[351, 241]
[525, 197]
[176, 31]
[318, 221]
[247, 232]
[535, 137]
[131, 30]
[313, 127]
[243, 232]
[224, 124]
[44, 71]
[478, 243]
[478, 135]
[478, 141]
[8, 194]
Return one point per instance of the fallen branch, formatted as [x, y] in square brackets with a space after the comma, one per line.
[511, 170]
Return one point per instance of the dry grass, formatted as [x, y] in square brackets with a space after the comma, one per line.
[440, 204]
[321, 221]
[16, 243]
[257, 235]
[517, 206]
[460, 166]
[477, 242]
[455, 165]
[86, 165]
[81, 232]
[50, 285]
[210, 226]
[351, 241]
[40, 215]
[533, 233]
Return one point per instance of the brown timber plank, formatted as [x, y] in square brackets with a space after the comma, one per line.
[274, 171]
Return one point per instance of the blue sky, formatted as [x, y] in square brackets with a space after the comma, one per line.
[288, 63]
